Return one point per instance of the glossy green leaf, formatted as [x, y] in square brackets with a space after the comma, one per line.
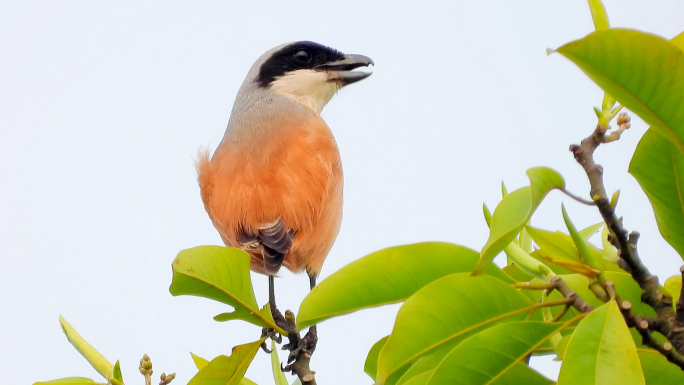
[644, 72]
[423, 368]
[581, 244]
[492, 353]
[598, 13]
[658, 370]
[514, 212]
[69, 381]
[665, 188]
[278, 375]
[97, 360]
[224, 370]
[384, 277]
[221, 274]
[601, 351]
[371, 364]
[673, 286]
[199, 361]
[447, 311]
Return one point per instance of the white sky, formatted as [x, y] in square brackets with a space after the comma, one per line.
[103, 107]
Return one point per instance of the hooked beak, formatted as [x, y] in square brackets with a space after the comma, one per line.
[342, 70]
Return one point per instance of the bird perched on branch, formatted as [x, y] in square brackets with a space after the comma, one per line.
[274, 185]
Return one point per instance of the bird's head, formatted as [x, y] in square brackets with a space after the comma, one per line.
[308, 72]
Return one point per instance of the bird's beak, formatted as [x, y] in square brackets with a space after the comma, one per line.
[342, 70]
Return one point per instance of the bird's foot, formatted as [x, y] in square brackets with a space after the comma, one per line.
[306, 344]
[268, 332]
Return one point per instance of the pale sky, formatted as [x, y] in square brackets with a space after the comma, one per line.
[103, 108]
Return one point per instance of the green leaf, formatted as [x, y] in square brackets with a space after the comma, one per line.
[445, 312]
[625, 287]
[678, 40]
[673, 286]
[665, 187]
[97, 360]
[581, 245]
[527, 263]
[221, 274]
[658, 370]
[598, 13]
[609, 251]
[371, 364]
[231, 370]
[491, 354]
[559, 249]
[384, 277]
[601, 351]
[199, 361]
[278, 375]
[424, 367]
[587, 233]
[117, 372]
[68, 381]
[644, 72]
[515, 210]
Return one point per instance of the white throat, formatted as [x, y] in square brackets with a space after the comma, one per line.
[308, 87]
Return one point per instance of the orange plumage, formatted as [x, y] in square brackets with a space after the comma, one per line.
[293, 175]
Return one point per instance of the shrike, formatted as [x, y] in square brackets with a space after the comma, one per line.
[273, 187]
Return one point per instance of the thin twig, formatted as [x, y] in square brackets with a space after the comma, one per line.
[578, 198]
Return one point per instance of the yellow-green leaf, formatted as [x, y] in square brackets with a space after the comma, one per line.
[446, 312]
[664, 188]
[514, 212]
[199, 361]
[116, 373]
[224, 370]
[658, 370]
[70, 381]
[278, 375]
[601, 351]
[384, 277]
[97, 360]
[492, 354]
[371, 364]
[598, 13]
[221, 274]
[673, 285]
[581, 244]
[644, 72]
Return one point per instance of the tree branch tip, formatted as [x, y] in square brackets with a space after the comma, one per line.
[681, 270]
[667, 346]
[625, 305]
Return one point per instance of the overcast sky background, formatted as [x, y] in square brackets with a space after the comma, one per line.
[103, 108]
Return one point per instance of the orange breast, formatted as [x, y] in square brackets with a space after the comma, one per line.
[294, 175]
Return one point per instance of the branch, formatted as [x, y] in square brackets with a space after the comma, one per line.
[643, 327]
[625, 242]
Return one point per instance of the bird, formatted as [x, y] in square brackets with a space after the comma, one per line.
[273, 186]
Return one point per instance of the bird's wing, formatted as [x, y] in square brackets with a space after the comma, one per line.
[274, 239]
